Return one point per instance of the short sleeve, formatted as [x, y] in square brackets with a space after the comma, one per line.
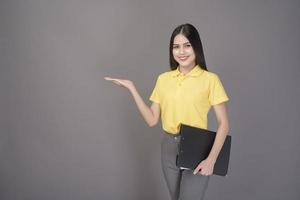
[217, 93]
[155, 93]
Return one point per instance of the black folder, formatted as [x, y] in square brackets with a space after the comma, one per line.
[195, 145]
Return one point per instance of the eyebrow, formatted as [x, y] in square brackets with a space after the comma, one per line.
[183, 43]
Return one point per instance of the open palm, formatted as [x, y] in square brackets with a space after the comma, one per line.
[121, 82]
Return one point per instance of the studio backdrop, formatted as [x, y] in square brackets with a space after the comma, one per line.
[67, 134]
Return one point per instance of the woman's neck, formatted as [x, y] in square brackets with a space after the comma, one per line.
[185, 70]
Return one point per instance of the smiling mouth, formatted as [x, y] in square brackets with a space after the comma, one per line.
[183, 58]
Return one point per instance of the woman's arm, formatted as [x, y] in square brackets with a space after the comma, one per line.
[223, 128]
[150, 115]
[206, 167]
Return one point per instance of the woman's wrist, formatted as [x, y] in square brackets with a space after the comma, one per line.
[132, 89]
[211, 160]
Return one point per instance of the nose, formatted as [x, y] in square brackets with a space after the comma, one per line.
[181, 50]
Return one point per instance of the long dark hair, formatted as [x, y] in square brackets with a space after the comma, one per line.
[191, 33]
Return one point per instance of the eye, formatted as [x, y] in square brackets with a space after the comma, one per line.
[175, 47]
[188, 45]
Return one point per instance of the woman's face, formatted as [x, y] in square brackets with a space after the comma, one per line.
[183, 51]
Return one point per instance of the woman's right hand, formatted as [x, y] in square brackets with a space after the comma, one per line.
[151, 115]
[121, 82]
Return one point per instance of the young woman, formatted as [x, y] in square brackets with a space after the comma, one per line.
[184, 95]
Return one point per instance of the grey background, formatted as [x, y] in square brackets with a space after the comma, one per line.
[66, 133]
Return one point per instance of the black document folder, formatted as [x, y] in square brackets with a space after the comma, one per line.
[195, 145]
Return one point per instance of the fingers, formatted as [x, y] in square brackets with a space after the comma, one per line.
[110, 79]
[115, 80]
[202, 171]
[197, 170]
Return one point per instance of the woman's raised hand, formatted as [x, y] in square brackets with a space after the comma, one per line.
[146, 111]
[121, 82]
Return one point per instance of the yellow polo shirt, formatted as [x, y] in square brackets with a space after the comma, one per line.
[187, 98]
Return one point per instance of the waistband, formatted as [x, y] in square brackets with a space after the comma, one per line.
[171, 134]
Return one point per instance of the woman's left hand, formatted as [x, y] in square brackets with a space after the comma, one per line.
[205, 168]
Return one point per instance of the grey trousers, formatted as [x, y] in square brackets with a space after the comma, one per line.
[182, 184]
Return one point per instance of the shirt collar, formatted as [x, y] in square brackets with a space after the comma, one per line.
[196, 71]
